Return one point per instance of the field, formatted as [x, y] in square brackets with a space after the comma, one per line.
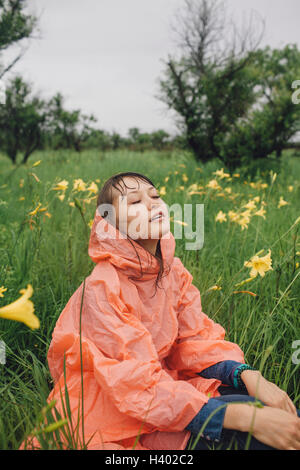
[44, 234]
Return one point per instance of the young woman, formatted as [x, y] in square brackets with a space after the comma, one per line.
[154, 365]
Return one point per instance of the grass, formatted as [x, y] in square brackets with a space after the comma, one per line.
[50, 253]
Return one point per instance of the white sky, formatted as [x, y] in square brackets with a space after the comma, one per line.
[105, 56]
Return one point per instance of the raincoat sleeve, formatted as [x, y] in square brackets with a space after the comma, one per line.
[119, 349]
[200, 342]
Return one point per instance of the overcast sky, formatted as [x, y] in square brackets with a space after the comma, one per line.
[105, 56]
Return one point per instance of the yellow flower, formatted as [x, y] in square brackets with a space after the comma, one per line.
[184, 177]
[166, 179]
[87, 200]
[250, 205]
[72, 204]
[35, 210]
[22, 309]
[213, 184]
[244, 219]
[234, 216]
[93, 188]
[221, 217]
[2, 289]
[21, 183]
[290, 188]
[180, 222]
[79, 185]
[261, 212]
[245, 281]
[244, 292]
[214, 288]
[228, 190]
[273, 176]
[236, 175]
[61, 186]
[61, 196]
[90, 223]
[221, 174]
[22, 198]
[282, 202]
[36, 163]
[256, 199]
[195, 192]
[259, 265]
[35, 177]
[193, 187]
[97, 180]
[162, 191]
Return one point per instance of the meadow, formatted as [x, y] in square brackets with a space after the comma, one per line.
[46, 210]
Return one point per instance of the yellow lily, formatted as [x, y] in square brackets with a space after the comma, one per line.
[213, 184]
[61, 186]
[185, 178]
[93, 188]
[259, 265]
[220, 217]
[2, 289]
[261, 212]
[282, 202]
[221, 174]
[22, 309]
[79, 185]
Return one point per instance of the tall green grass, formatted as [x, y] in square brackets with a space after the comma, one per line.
[53, 258]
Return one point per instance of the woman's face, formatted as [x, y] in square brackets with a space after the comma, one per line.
[136, 210]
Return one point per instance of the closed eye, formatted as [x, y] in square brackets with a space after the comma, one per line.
[136, 202]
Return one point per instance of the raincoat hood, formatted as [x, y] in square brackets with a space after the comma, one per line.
[108, 243]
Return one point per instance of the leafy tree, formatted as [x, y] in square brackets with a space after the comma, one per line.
[211, 85]
[274, 119]
[159, 139]
[67, 129]
[22, 120]
[15, 25]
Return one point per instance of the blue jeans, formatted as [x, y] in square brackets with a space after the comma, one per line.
[231, 439]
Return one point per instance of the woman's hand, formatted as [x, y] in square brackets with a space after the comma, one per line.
[272, 426]
[259, 387]
[277, 428]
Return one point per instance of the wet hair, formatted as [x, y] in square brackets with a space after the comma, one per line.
[105, 196]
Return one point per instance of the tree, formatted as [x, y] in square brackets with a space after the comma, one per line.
[159, 139]
[67, 129]
[211, 85]
[15, 25]
[22, 120]
[274, 119]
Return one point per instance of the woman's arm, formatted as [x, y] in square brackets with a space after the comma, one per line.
[272, 426]
[259, 387]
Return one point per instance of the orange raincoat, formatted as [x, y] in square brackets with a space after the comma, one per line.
[140, 355]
